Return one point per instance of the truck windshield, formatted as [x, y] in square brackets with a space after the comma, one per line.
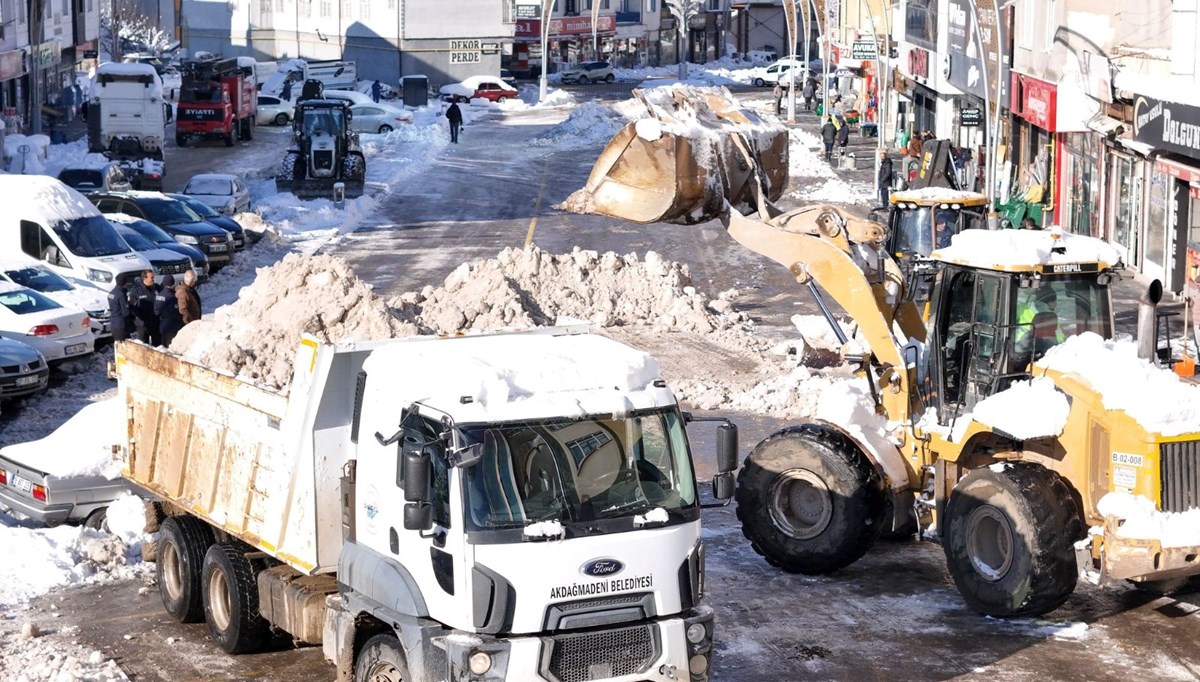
[90, 237]
[582, 470]
[168, 212]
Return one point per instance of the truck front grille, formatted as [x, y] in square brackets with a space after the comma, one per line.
[323, 160]
[1179, 471]
[602, 654]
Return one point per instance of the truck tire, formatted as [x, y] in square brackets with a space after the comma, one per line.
[1009, 539]
[182, 542]
[229, 138]
[381, 660]
[281, 119]
[354, 167]
[231, 600]
[181, 141]
[809, 501]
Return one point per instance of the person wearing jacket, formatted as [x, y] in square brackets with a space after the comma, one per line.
[141, 300]
[885, 178]
[166, 306]
[454, 115]
[828, 135]
[809, 92]
[118, 311]
[777, 93]
[187, 299]
[843, 132]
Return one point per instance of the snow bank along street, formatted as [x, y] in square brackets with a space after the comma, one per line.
[715, 353]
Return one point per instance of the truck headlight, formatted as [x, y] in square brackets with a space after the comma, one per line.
[102, 276]
[480, 662]
[186, 239]
[696, 633]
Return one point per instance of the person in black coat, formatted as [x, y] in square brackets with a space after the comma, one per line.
[454, 115]
[118, 311]
[141, 300]
[885, 178]
[166, 307]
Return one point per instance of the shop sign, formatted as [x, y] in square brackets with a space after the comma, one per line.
[46, 55]
[918, 62]
[529, 10]
[1037, 102]
[465, 52]
[12, 64]
[528, 28]
[581, 25]
[967, 54]
[862, 50]
[1167, 125]
[970, 118]
[489, 48]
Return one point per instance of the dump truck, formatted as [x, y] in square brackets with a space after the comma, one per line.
[1038, 448]
[516, 505]
[218, 99]
[325, 159]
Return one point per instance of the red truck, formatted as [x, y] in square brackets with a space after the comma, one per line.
[217, 99]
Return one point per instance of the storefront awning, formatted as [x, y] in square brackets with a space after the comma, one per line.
[1106, 125]
[1178, 170]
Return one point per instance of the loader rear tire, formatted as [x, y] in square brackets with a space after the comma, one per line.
[231, 600]
[182, 543]
[381, 660]
[809, 500]
[1009, 539]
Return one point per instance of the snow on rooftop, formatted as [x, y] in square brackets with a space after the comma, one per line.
[1142, 521]
[1156, 398]
[1025, 410]
[936, 194]
[999, 249]
[43, 198]
[82, 446]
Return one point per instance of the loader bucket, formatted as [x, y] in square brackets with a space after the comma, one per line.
[696, 150]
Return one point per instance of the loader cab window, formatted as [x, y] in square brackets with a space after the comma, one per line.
[921, 231]
[970, 335]
[323, 122]
[1054, 310]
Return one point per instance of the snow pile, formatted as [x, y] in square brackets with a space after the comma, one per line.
[999, 248]
[82, 446]
[588, 124]
[1025, 410]
[25, 154]
[57, 557]
[32, 658]
[813, 179]
[524, 288]
[1156, 398]
[1142, 521]
[256, 337]
[554, 98]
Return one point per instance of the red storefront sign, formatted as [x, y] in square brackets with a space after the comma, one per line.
[1178, 170]
[918, 62]
[529, 28]
[581, 25]
[1035, 101]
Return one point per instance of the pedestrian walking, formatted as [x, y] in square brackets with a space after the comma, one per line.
[778, 94]
[809, 92]
[885, 178]
[141, 301]
[843, 133]
[68, 103]
[118, 312]
[166, 306]
[286, 95]
[828, 136]
[454, 115]
[187, 299]
[376, 91]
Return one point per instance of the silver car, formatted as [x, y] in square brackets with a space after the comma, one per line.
[588, 72]
[378, 118]
[23, 370]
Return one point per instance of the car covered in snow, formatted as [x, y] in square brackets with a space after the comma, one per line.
[23, 370]
[69, 476]
[160, 237]
[378, 118]
[105, 177]
[210, 215]
[588, 72]
[164, 261]
[175, 218]
[491, 88]
[57, 332]
[30, 273]
[226, 193]
[274, 111]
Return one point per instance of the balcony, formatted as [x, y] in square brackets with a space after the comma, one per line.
[629, 18]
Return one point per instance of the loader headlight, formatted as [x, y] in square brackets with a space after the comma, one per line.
[480, 662]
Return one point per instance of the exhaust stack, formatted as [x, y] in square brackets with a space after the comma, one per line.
[1147, 322]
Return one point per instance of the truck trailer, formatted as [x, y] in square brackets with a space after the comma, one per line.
[516, 506]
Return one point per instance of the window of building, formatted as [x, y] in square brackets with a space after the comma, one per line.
[920, 23]
[346, 11]
[364, 9]
[652, 5]
[305, 8]
[326, 8]
[1051, 23]
[1025, 24]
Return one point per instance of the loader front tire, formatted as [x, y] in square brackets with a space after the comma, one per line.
[231, 600]
[381, 660]
[182, 543]
[809, 500]
[1009, 538]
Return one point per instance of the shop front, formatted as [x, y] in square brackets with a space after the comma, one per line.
[12, 88]
[1124, 201]
[572, 39]
[1035, 151]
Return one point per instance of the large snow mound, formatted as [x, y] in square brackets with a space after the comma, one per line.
[1026, 410]
[82, 446]
[1140, 520]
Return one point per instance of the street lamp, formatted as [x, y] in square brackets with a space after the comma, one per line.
[547, 9]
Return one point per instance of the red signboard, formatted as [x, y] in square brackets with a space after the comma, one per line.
[581, 25]
[1178, 170]
[918, 62]
[1035, 101]
[529, 28]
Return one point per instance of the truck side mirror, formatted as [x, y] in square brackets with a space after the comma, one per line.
[418, 516]
[727, 447]
[417, 470]
[722, 486]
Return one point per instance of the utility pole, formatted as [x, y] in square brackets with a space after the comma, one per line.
[547, 8]
[789, 16]
[35, 71]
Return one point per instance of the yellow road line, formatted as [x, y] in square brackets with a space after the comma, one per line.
[537, 205]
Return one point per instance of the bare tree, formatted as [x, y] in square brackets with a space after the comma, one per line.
[683, 11]
[132, 23]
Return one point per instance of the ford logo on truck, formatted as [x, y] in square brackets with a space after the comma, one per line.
[602, 567]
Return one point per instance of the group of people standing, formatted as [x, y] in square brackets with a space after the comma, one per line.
[835, 130]
[153, 313]
[808, 92]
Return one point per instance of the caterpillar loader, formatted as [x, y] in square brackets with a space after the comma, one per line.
[1015, 496]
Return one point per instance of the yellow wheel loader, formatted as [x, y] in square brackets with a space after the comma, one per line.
[1011, 472]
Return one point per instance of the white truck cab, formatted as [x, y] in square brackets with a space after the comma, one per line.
[48, 221]
[129, 112]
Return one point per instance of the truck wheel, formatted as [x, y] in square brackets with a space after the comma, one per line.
[281, 119]
[229, 139]
[181, 141]
[231, 600]
[1009, 539]
[182, 542]
[809, 501]
[381, 660]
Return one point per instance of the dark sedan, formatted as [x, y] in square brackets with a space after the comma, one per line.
[160, 237]
[23, 370]
[175, 217]
[211, 216]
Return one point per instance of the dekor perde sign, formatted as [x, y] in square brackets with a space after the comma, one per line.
[465, 52]
[1167, 125]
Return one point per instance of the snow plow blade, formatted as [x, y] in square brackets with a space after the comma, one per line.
[686, 160]
[318, 189]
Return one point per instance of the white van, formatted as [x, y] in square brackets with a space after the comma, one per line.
[48, 221]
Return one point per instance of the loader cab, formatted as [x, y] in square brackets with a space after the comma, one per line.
[988, 326]
[922, 221]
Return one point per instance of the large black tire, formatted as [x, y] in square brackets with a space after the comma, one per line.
[182, 543]
[1008, 534]
[381, 660]
[809, 500]
[231, 600]
[354, 167]
[181, 141]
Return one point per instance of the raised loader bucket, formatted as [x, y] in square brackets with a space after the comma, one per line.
[696, 150]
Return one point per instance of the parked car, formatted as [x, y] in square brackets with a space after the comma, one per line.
[160, 236]
[233, 227]
[30, 273]
[52, 481]
[56, 332]
[175, 218]
[23, 370]
[482, 87]
[378, 118]
[779, 70]
[348, 96]
[273, 110]
[106, 177]
[226, 193]
[588, 72]
[164, 261]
